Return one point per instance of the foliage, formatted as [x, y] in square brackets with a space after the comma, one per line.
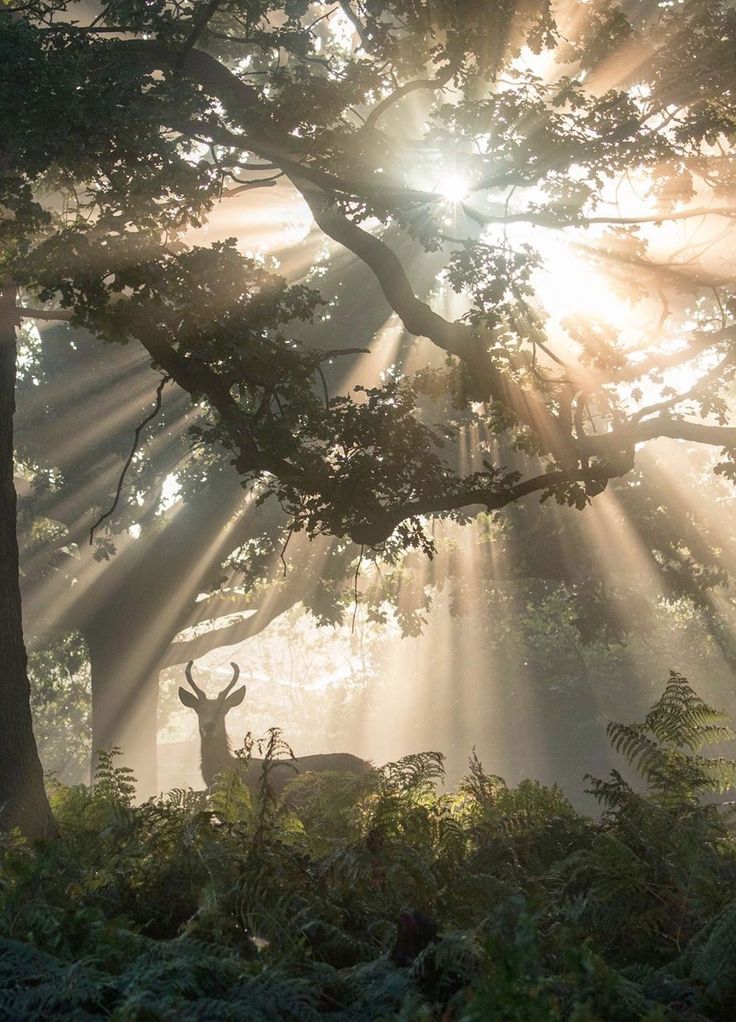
[125, 131]
[60, 701]
[381, 897]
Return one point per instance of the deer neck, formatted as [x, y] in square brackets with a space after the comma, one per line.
[215, 755]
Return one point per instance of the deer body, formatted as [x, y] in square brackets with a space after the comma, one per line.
[216, 756]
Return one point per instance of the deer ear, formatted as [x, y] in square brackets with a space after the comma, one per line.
[235, 699]
[188, 698]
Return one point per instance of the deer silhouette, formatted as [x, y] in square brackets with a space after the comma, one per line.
[216, 756]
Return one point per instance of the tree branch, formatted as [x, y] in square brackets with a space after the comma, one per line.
[381, 528]
[51, 315]
[276, 601]
[129, 460]
[191, 649]
[680, 429]
[197, 378]
[550, 220]
[604, 444]
[355, 22]
[455, 338]
[419, 84]
[199, 24]
[699, 344]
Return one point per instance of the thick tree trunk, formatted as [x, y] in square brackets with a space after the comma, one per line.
[125, 704]
[135, 610]
[23, 801]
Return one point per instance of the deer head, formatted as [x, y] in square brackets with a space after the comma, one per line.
[211, 712]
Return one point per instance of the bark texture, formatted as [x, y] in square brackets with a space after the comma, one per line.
[23, 801]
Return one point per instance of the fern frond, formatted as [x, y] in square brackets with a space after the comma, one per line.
[639, 750]
[682, 720]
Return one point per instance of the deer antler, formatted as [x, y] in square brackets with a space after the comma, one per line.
[236, 675]
[188, 674]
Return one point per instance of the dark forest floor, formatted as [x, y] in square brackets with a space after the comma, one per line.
[380, 898]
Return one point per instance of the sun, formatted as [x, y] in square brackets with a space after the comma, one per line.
[453, 186]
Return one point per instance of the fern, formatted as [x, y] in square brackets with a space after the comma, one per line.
[225, 905]
[714, 958]
[113, 784]
[648, 880]
[664, 747]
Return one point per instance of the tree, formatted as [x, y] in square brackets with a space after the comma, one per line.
[129, 598]
[22, 797]
[132, 125]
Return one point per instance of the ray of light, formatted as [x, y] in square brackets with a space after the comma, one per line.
[450, 687]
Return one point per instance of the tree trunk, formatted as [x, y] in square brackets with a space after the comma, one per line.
[134, 611]
[125, 704]
[23, 801]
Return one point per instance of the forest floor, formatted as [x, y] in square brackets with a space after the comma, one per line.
[379, 897]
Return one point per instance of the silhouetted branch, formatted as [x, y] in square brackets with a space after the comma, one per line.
[46, 314]
[456, 338]
[199, 24]
[136, 439]
[661, 426]
[355, 587]
[324, 387]
[337, 352]
[419, 84]
[355, 22]
[374, 532]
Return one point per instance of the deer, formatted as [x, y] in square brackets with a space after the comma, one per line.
[216, 756]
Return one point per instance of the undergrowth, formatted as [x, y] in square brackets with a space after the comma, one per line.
[380, 897]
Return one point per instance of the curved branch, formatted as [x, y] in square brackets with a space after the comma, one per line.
[191, 649]
[419, 84]
[50, 315]
[699, 344]
[129, 460]
[242, 103]
[680, 429]
[606, 444]
[378, 530]
[420, 319]
[275, 602]
[550, 220]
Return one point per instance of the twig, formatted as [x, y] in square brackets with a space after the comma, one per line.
[286, 543]
[355, 588]
[322, 17]
[324, 386]
[720, 306]
[139, 429]
[336, 352]
[248, 186]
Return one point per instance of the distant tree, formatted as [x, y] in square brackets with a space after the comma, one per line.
[60, 700]
[68, 480]
[127, 595]
[121, 131]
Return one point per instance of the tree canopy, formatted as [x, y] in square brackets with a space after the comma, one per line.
[454, 124]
